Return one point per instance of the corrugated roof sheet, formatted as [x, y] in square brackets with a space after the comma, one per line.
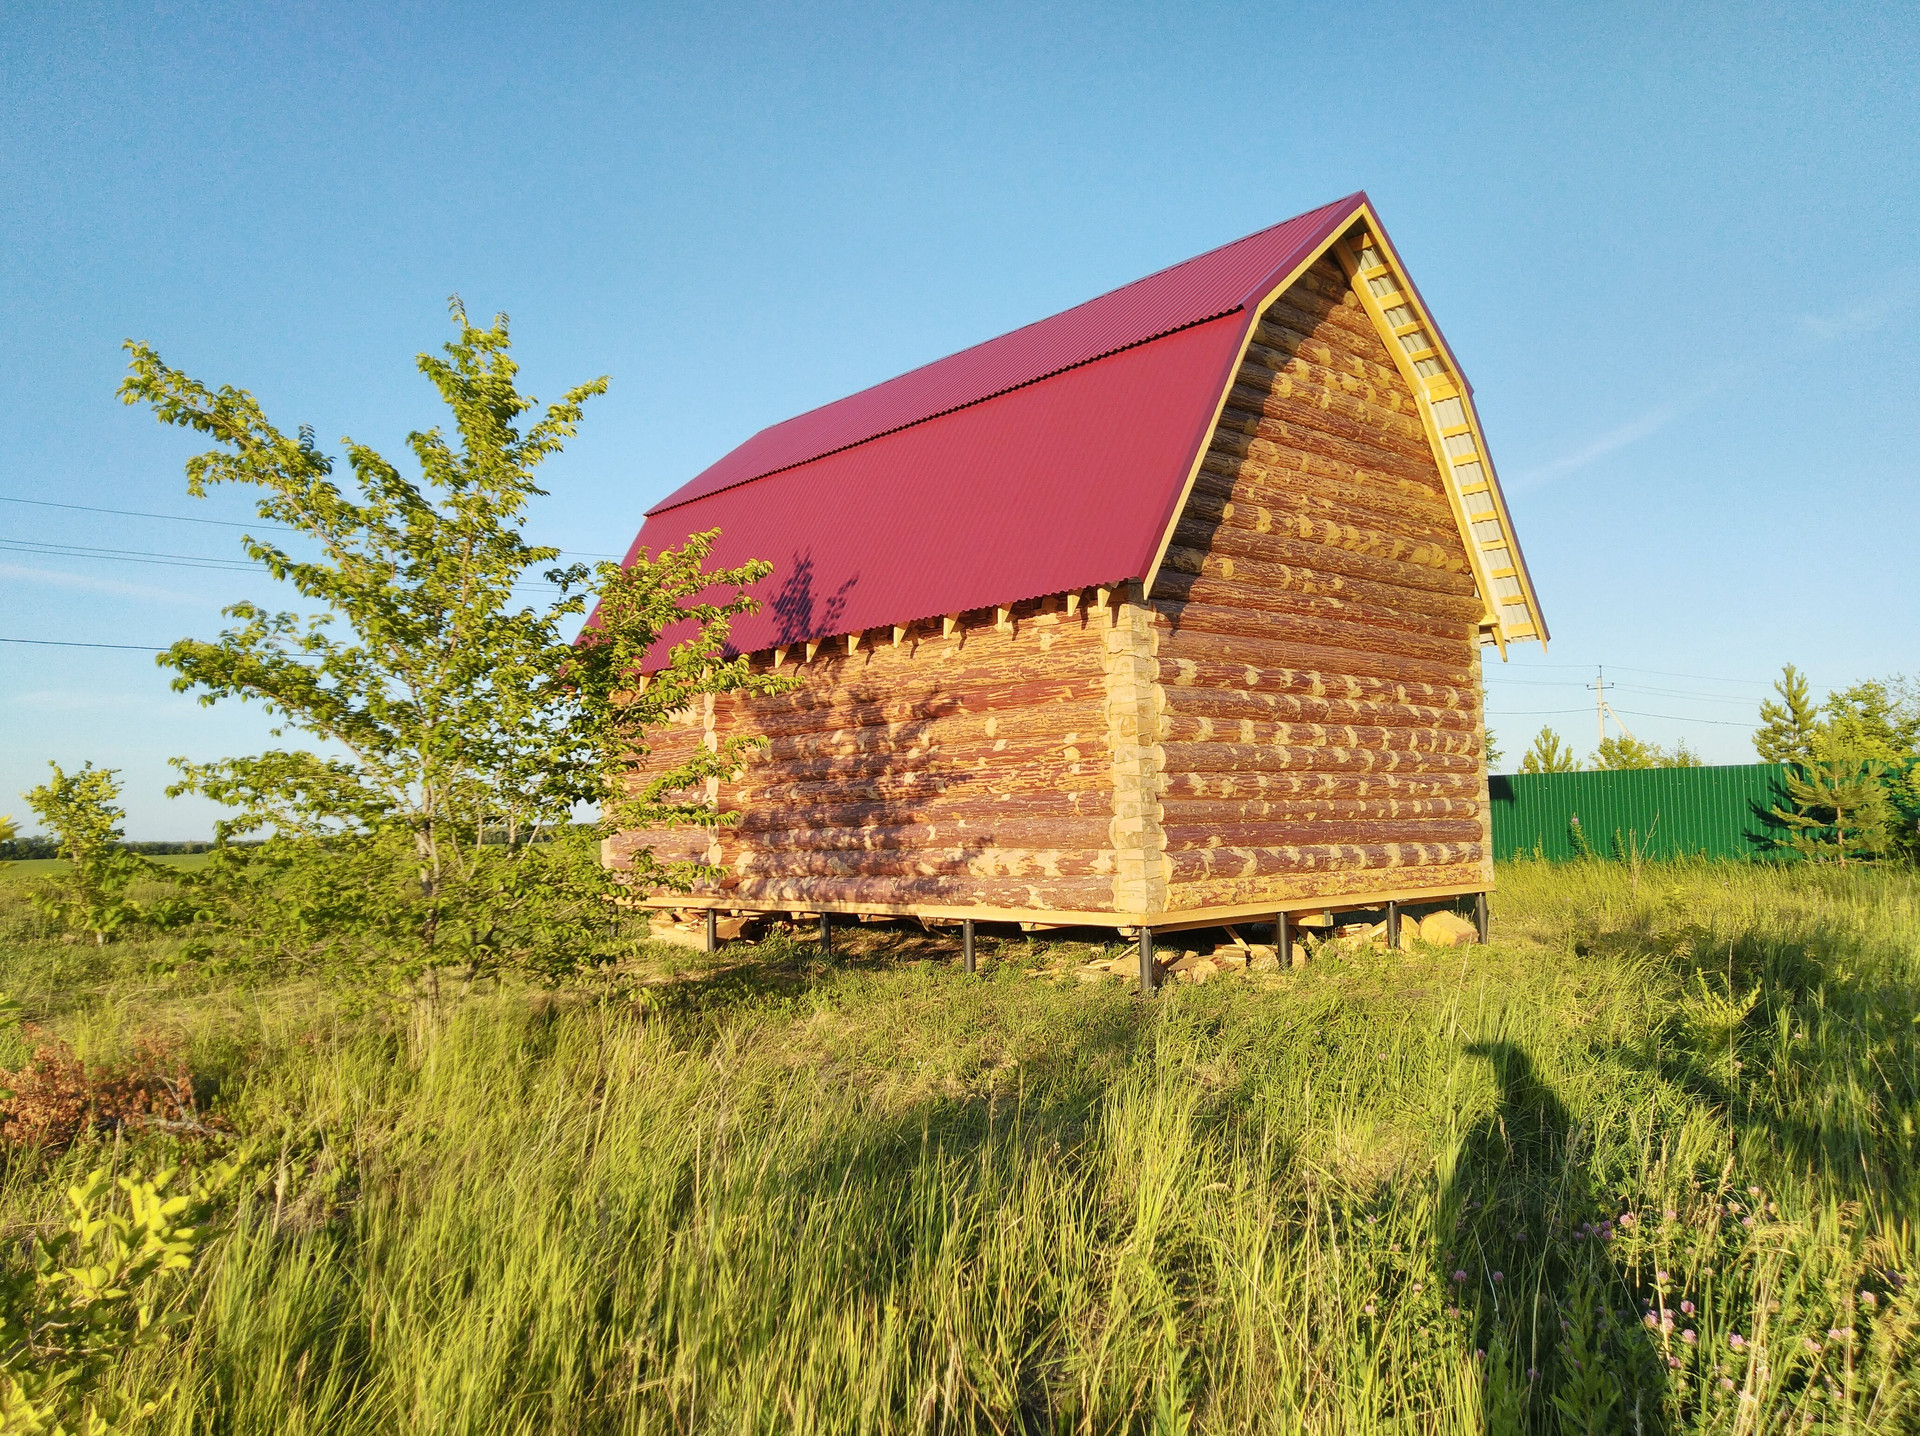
[1046, 460]
[1218, 282]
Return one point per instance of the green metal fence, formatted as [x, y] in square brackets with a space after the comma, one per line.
[1661, 812]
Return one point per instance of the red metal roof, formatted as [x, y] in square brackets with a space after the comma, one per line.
[1045, 460]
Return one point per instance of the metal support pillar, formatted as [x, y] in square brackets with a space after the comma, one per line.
[1393, 925]
[1283, 939]
[826, 934]
[1146, 962]
[966, 944]
[1480, 918]
[713, 930]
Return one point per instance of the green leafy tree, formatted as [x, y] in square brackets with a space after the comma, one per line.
[1839, 809]
[1790, 727]
[7, 833]
[465, 729]
[1626, 752]
[81, 810]
[1490, 746]
[1549, 754]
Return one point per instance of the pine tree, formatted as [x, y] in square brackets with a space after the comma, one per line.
[1839, 809]
[1789, 730]
[1549, 755]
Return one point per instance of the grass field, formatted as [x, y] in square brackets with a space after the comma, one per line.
[1567, 1182]
[25, 868]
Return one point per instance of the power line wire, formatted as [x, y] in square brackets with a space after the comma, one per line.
[67, 643]
[221, 523]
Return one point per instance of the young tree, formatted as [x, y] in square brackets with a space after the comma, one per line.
[463, 722]
[1839, 809]
[1627, 752]
[1789, 729]
[81, 810]
[1549, 755]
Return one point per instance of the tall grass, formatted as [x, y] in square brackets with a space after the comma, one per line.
[1497, 1189]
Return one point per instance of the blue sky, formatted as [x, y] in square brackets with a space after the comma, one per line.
[1672, 247]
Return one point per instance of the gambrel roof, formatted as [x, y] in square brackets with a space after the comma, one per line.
[1057, 457]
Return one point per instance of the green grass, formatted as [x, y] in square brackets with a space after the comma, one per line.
[21, 869]
[777, 1193]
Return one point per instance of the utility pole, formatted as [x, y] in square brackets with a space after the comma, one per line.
[1603, 710]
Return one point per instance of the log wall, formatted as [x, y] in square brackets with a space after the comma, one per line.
[1314, 630]
[950, 772]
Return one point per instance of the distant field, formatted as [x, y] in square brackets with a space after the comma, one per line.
[54, 867]
[1646, 1163]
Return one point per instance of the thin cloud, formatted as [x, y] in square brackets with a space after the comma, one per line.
[1847, 322]
[60, 579]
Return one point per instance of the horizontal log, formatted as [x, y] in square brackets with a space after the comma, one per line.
[1252, 411]
[1300, 890]
[1073, 894]
[924, 713]
[1420, 738]
[1341, 413]
[1314, 524]
[1374, 387]
[1305, 501]
[1463, 608]
[1346, 329]
[1188, 757]
[1180, 812]
[1238, 479]
[1053, 727]
[1361, 832]
[1302, 450]
[1046, 805]
[1450, 657]
[1376, 626]
[1236, 541]
[1247, 531]
[960, 761]
[1291, 336]
[1187, 784]
[1202, 865]
[1225, 672]
[889, 786]
[1197, 638]
[888, 833]
[985, 862]
[1229, 706]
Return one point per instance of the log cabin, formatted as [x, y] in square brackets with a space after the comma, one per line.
[1164, 612]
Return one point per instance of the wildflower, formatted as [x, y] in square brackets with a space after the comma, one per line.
[1869, 1300]
[1368, 1308]
[1459, 1276]
[1662, 1277]
[1370, 1221]
[1479, 1355]
[1666, 1321]
[1687, 1308]
[1671, 1215]
[1726, 1383]
[1499, 1276]
[1418, 1288]
[1737, 1342]
[1753, 1191]
[1746, 1221]
[1626, 1219]
[1813, 1346]
[1519, 1236]
[1453, 1311]
[1649, 1320]
[1689, 1337]
[1673, 1362]
[1533, 1373]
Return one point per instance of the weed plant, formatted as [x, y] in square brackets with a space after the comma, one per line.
[1647, 1163]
